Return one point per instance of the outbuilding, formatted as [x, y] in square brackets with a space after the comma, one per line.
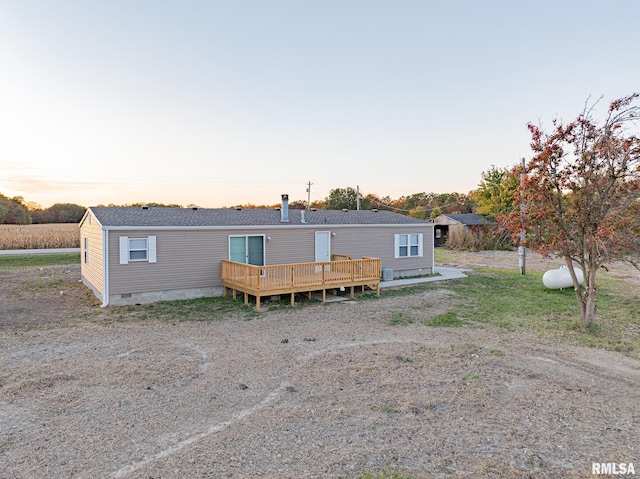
[456, 226]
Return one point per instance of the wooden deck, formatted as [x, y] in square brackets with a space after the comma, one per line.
[295, 278]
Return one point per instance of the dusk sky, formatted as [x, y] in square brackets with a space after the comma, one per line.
[220, 103]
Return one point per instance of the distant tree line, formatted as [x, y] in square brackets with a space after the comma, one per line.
[493, 197]
[15, 211]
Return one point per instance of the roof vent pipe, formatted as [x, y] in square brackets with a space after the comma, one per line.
[284, 212]
[302, 220]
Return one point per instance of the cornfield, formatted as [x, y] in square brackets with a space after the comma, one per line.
[57, 235]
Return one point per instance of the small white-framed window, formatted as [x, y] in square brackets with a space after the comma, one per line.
[137, 249]
[408, 245]
[85, 250]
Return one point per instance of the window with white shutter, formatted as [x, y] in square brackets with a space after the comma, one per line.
[138, 250]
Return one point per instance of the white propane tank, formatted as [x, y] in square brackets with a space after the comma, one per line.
[561, 278]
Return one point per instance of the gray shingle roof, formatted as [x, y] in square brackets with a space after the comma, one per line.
[469, 219]
[176, 217]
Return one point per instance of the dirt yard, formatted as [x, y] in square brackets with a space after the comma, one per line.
[325, 391]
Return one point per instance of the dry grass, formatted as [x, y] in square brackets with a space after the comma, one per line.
[58, 235]
[136, 392]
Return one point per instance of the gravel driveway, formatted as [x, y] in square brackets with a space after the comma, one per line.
[322, 391]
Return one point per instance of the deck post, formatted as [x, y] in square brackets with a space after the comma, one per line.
[324, 295]
[293, 298]
[246, 298]
[258, 303]
[352, 292]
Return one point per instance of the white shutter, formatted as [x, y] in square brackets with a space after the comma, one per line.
[420, 245]
[396, 246]
[124, 250]
[152, 249]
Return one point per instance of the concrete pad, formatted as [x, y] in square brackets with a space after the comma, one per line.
[441, 274]
[330, 298]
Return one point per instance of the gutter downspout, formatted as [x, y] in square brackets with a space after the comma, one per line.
[105, 267]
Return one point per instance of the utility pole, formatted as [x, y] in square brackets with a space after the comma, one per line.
[358, 197]
[522, 253]
[309, 194]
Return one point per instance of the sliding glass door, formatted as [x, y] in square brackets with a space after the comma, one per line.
[247, 249]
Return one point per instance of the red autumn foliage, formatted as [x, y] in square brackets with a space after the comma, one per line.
[581, 194]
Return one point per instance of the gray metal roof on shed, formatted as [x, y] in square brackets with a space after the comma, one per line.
[205, 217]
[469, 219]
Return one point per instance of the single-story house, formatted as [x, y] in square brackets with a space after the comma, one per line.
[457, 225]
[147, 254]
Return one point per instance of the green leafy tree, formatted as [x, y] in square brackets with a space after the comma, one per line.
[453, 203]
[297, 204]
[419, 212]
[4, 208]
[13, 211]
[341, 198]
[496, 192]
[64, 213]
[581, 193]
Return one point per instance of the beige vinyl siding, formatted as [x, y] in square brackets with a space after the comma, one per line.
[93, 271]
[291, 245]
[297, 245]
[185, 259]
[188, 259]
[379, 242]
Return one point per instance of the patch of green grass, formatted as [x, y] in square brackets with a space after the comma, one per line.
[40, 284]
[445, 320]
[37, 286]
[521, 302]
[31, 260]
[400, 319]
[518, 302]
[406, 291]
[470, 377]
[444, 255]
[199, 309]
[496, 352]
[284, 302]
[386, 408]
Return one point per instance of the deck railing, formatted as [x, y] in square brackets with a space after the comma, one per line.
[299, 277]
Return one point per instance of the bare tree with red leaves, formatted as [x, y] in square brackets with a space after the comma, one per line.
[581, 194]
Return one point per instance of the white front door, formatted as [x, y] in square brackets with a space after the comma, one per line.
[323, 246]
